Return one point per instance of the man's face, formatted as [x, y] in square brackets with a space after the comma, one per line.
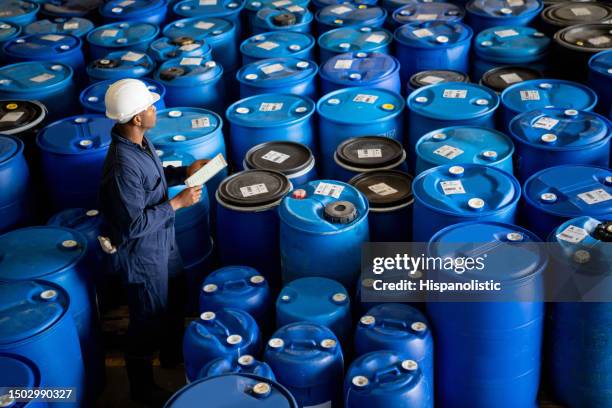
[149, 117]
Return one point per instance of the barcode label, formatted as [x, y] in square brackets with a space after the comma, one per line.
[455, 93]
[191, 61]
[341, 10]
[365, 98]
[595, 196]
[530, 95]
[422, 32]
[376, 38]
[109, 33]
[328, 189]
[74, 25]
[343, 64]
[545, 123]
[132, 56]
[431, 79]
[267, 45]
[275, 157]
[426, 17]
[599, 40]
[450, 152]
[42, 78]
[506, 33]
[452, 187]
[511, 78]
[189, 47]
[369, 153]
[204, 25]
[52, 37]
[270, 107]
[281, 3]
[11, 117]
[581, 11]
[270, 69]
[382, 189]
[208, 2]
[573, 234]
[173, 163]
[199, 123]
[254, 189]
[207, 172]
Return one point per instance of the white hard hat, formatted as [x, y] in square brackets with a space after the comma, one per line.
[127, 98]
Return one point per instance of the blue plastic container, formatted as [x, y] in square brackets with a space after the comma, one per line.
[76, 26]
[464, 144]
[35, 318]
[164, 49]
[349, 15]
[434, 76]
[14, 184]
[245, 364]
[134, 11]
[283, 75]
[499, 341]
[600, 78]
[292, 159]
[509, 45]
[553, 137]
[61, 48]
[269, 117]
[252, 7]
[557, 194]
[369, 69]
[19, 11]
[286, 18]
[119, 65]
[319, 4]
[316, 300]
[236, 390]
[277, 44]
[50, 83]
[246, 203]
[483, 14]
[8, 31]
[121, 36]
[355, 112]
[323, 225]
[18, 372]
[307, 359]
[72, 156]
[389, 194]
[419, 12]
[353, 39]
[386, 379]
[71, 8]
[92, 97]
[226, 9]
[449, 194]
[225, 333]
[432, 45]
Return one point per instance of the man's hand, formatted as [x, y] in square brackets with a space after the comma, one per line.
[187, 198]
[195, 166]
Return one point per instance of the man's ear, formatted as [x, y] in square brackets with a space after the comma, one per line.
[136, 120]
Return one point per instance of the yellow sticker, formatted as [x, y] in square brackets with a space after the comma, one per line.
[12, 106]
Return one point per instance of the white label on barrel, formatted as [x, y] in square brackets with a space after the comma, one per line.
[52, 37]
[71, 25]
[126, 3]
[369, 153]
[327, 404]
[132, 56]
[267, 45]
[189, 47]
[341, 10]
[202, 122]
[11, 117]
[203, 25]
[431, 79]
[545, 123]
[450, 152]
[270, 69]
[365, 98]
[208, 2]
[270, 107]
[455, 93]
[530, 96]
[295, 9]
[275, 157]
[173, 163]
[109, 33]
[595, 196]
[328, 189]
[382, 189]
[426, 17]
[254, 189]
[602, 39]
[515, 3]
[280, 3]
[581, 11]
[343, 64]
[376, 38]
[452, 187]
[573, 234]
[42, 77]
[506, 33]
[422, 32]
[191, 61]
[511, 78]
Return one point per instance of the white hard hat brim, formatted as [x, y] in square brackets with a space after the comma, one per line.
[155, 97]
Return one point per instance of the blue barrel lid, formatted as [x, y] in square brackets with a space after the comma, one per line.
[277, 44]
[245, 364]
[29, 307]
[271, 109]
[130, 9]
[8, 30]
[310, 208]
[253, 190]
[504, 8]
[347, 14]
[359, 68]
[76, 135]
[199, 28]
[180, 127]
[75, 26]
[468, 190]
[17, 372]
[188, 72]
[80, 219]
[346, 39]
[511, 43]
[313, 299]
[9, 147]
[571, 191]
[421, 11]
[207, 8]
[360, 105]
[274, 72]
[32, 76]
[122, 34]
[543, 93]
[433, 34]
[121, 64]
[256, 5]
[165, 48]
[92, 97]
[560, 129]
[47, 46]
[453, 101]
[232, 282]
[602, 63]
[282, 18]
[464, 144]
[15, 9]
[233, 390]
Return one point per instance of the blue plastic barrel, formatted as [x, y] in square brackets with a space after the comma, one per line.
[119, 65]
[71, 8]
[501, 341]
[72, 155]
[164, 49]
[251, 8]
[307, 359]
[14, 184]
[553, 137]
[449, 194]
[19, 12]
[483, 14]
[386, 379]
[134, 11]
[279, 75]
[389, 194]
[355, 112]
[17, 372]
[359, 68]
[92, 97]
[434, 76]
[120, 36]
[292, 159]
[34, 320]
[319, 4]
[76, 26]
[464, 144]
[277, 44]
[50, 83]
[600, 78]
[510, 45]
[285, 18]
[8, 31]
[316, 300]
[226, 9]
[225, 333]
[245, 364]
[349, 15]
[419, 12]
[557, 194]
[269, 117]
[323, 226]
[353, 39]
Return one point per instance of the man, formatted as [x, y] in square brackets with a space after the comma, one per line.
[140, 218]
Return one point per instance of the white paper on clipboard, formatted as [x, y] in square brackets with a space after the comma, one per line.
[207, 172]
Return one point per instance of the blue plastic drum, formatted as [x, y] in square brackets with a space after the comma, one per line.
[319, 4]
[361, 68]
[19, 11]
[164, 49]
[286, 18]
[483, 14]
[419, 12]
[349, 15]
[245, 364]
[226, 9]
[292, 159]
[14, 184]
[279, 75]
[8, 31]
[277, 44]
[123, 36]
[434, 76]
[119, 65]
[352, 39]
[92, 97]
[134, 11]
[79, 27]
[252, 7]
[60, 48]
[18, 372]
[600, 78]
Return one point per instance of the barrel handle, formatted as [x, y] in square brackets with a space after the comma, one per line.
[396, 323]
[303, 343]
[236, 283]
[384, 375]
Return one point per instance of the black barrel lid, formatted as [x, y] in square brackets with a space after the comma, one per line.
[553, 2]
[501, 78]
[384, 188]
[106, 63]
[603, 232]
[285, 157]
[370, 152]
[571, 13]
[340, 212]
[284, 19]
[590, 38]
[253, 188]
[19, 116]
[436, 76]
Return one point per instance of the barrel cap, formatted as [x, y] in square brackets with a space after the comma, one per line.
[433, 34]
[357, 38]
[188, 72]
[269, 110]
[589, 38]
[165, 48]
[81, 134]
[569, 13]
[27, 77]
[42, 46]
[370, 153]
[288, 158]
[92, 97]
[277, 44]
[8, 30]
[253, 188]
[502, 9]
[202, 27]
[384, 189]
[427, 11]
[603, 232]
[122, 34]
[180, 127]
[436, 76]
[132, 9]
[359, 68]
[17, 116]
[347, 14]
[198, 8]
[501, 78]
[360, 105]
[76, 26]
[511, 44]
[276, 72]
[340, 212]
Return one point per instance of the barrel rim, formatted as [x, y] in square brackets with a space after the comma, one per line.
[40, 134]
